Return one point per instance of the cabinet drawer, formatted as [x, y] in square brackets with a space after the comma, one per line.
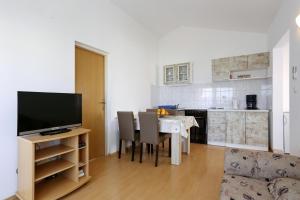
[256, 117]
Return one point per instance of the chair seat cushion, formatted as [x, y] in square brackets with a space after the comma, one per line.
[285, 189]
[242, 188]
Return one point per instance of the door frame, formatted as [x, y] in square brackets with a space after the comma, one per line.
[105, 55]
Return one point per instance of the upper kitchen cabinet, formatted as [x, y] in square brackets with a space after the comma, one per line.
[220, 69]
[259, 61]
[238, 63]
[254, 66]
[169, 74]
[177, 74]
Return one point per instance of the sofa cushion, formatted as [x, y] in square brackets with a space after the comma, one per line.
[242, 188]
[271, 165]
[285, 189]
[240, 162]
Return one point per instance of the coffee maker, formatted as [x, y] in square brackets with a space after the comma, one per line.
[251, 101]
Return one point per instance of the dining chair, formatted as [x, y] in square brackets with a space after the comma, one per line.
[127, 131]
[149, 132]
[168, 135]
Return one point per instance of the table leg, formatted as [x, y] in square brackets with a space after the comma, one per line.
[187, 143]
[176, 149]
[124, 144]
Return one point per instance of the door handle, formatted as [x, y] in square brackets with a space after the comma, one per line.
[102, 102]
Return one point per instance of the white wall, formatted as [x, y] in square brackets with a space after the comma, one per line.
[283, 22]
[280, 90]
[37, 41]
[199, 46]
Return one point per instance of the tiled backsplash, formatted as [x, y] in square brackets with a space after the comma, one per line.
[217, 94]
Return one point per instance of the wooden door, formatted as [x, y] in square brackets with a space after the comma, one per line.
[89, 81]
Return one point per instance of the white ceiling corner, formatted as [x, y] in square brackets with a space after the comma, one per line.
[162, 16]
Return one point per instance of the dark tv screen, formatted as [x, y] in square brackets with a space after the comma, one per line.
[40, 112]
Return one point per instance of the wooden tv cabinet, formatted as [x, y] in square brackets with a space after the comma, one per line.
[48, 166]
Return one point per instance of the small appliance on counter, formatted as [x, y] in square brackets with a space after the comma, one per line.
[251, 101]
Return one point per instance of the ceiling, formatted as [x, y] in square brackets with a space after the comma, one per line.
[162, 16]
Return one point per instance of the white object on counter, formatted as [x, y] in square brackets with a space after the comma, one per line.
[235, 104]
[234, 110]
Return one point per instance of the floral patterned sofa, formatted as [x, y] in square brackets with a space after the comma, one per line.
[256, 175]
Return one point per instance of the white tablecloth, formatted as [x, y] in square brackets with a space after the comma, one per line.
[179, 127]
[175, 124]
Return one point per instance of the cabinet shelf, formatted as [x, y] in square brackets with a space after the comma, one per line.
[58, 187]
[53, 151]
[51, 168]
[81, 164]
[81, 147]
[254, 78]
[52, 172]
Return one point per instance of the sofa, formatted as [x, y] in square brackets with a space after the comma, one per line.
[257, 175]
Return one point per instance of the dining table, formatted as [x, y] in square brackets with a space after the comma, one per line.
[179, 128]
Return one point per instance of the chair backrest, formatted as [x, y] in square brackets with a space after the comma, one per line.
[149, 127]
[126, 125]
[151, 110]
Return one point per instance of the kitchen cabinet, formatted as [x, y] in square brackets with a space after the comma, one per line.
[177, 74]
[259, 61]
[244, 67]
[235, 131]
[239, 128]
[238, 63]
[220, 69]
[216, 128]
[169, 74]
[257, 132]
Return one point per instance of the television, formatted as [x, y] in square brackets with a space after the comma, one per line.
[48, 113]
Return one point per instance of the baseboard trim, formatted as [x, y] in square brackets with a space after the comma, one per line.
[278, 151]
[240, 146]
[14, 197]
[222, 144]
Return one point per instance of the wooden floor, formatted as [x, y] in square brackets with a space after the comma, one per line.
[198, 177]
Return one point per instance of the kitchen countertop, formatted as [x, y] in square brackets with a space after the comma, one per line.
[234, 110]
[223, 110]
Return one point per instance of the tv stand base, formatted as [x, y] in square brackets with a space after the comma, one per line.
[65, 130]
